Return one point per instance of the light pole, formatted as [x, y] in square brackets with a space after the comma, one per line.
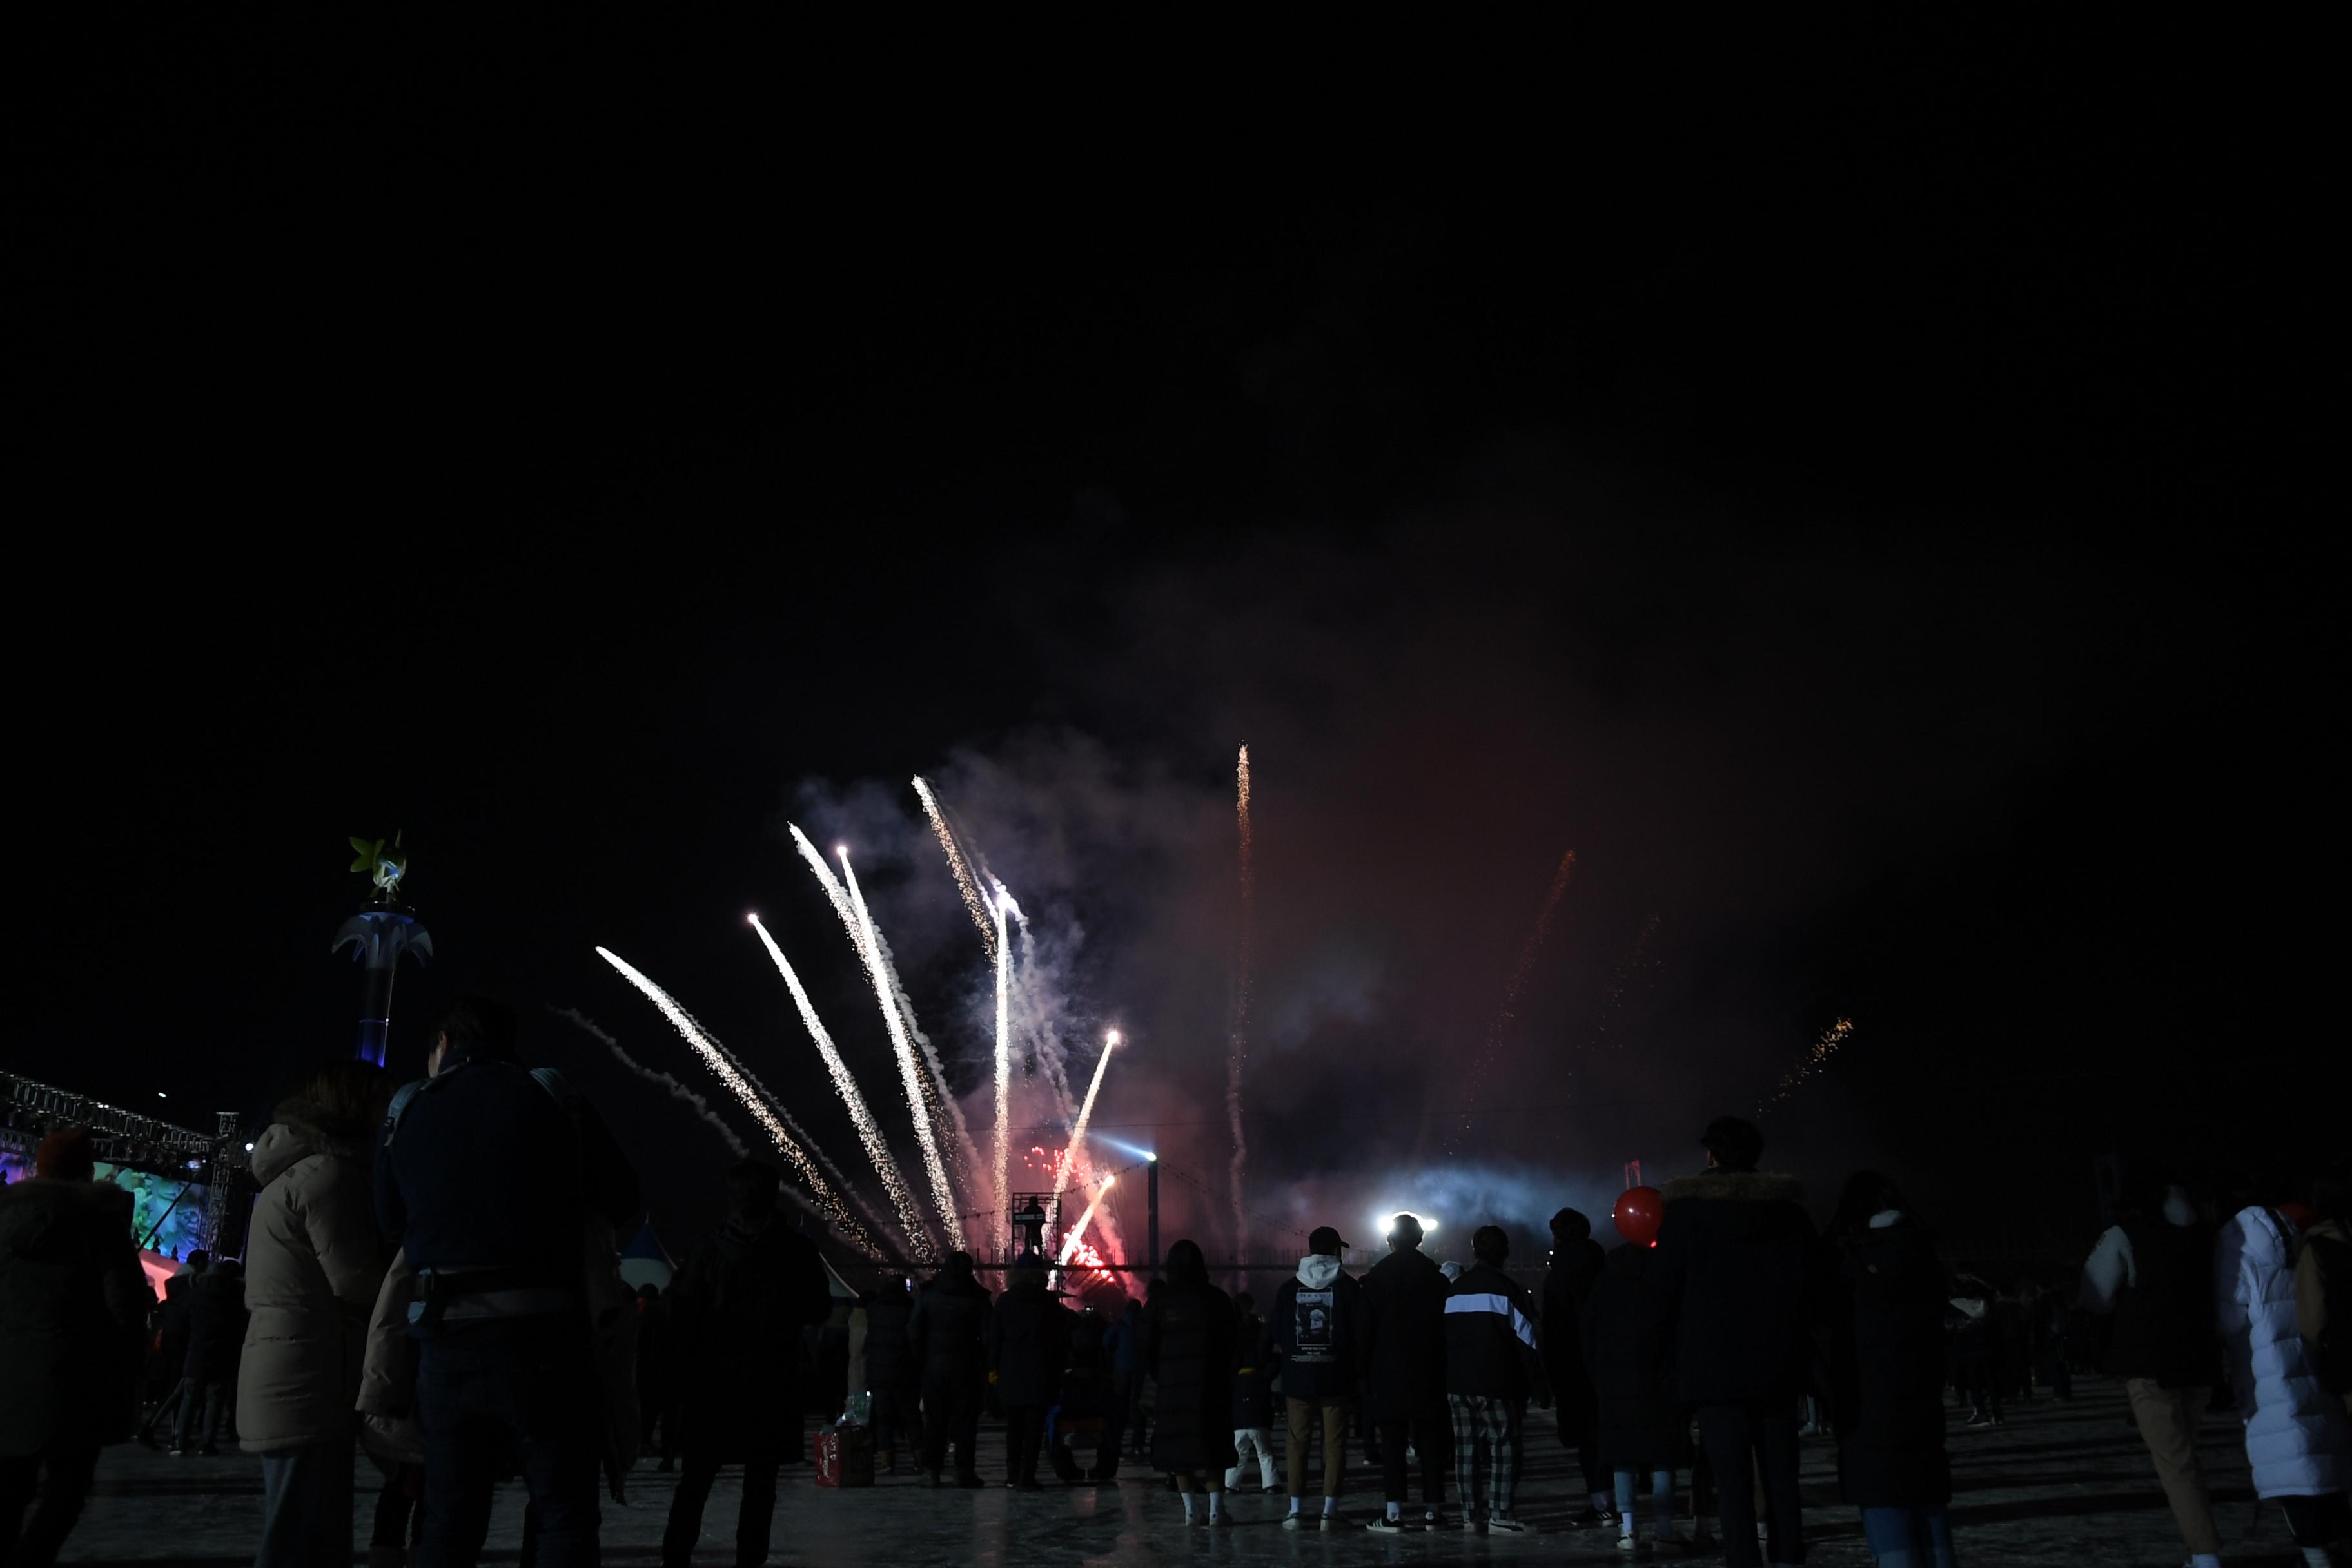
[381, 932]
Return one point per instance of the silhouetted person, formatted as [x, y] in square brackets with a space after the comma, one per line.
[1641, 1423]
[1189, 1355]
[1404, 1367]
[1493, 1363]
[2153, 1270]
[1734, 1269]
[314, 1263]
[1253, 1396]
[486, 1176]
[738, 1312]
[1123, 1348]
[73, 1318]
[891, 1372]
[949, 1331]
[1576, 1260]
[1028, 1347]
[1887, 1374]
[172, 1330]
[1318, 1322]
[216, 1321]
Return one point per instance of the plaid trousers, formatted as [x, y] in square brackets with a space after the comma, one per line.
[1496, 1423]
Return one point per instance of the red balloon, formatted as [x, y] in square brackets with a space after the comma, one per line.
[1639, 1212]
[2302, 1215]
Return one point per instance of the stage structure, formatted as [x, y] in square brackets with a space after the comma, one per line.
[129, 1140]
[380, 933]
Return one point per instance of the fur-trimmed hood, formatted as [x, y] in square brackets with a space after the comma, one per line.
[1736, 1186]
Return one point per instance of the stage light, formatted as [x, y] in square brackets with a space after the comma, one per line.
[1383, 1218]
[248, 1149]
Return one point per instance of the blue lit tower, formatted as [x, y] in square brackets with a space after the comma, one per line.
[380, 933]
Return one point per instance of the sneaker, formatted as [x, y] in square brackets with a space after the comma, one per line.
[1510, 1526]
[1626, 1544]
[1328, 1521]
[1384, 1525]
[177, 1451]
[1669, 1545]
[1294, 1521]
[1977, 1419]
[1433, 1518]
[1217, 1520]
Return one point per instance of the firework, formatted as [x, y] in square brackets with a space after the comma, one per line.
[723, 1065]
[991, 933]
[1032, 1015]
[677, 1091]
[1003, 1162]
[1071, 1238]
[938, 1107]
[941, 1192]
[869, 1132]
[1240, 1041]
[1812, 1062]
[1086, 1114]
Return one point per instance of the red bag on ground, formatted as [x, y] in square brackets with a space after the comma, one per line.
[845, 1457]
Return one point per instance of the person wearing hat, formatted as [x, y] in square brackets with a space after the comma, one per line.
[1318, 1320]
[1734, 1275]
[73, 1319]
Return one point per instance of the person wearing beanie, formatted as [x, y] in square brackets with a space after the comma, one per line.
[1734, 1276]
[73, 1320]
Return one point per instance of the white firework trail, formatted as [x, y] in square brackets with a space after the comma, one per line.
[1085, 1114]
[942, 1193]
[1239, 1047]
[869, 1132]
[721, 1063]
[1077, 1232]
[1003, 1162]
[946, 1116]
[1812, 1062]
[990, 933]
[1036, 1027]
[733, 1140]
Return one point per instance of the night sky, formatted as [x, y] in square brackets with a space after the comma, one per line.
[1842, 497]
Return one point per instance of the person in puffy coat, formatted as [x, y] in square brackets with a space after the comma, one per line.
[1028, 1347]
[1642, 1427]
[313, 1265]
[1887, 1374]
[948, 1331]
[2298, 1439]
[1189, 1352]
[73, 1314]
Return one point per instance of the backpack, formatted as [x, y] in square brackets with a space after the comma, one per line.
[2331, 1354]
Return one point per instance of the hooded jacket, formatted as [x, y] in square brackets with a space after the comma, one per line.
[1028, 1340]
[1189, 1355]
[1404, 1336]
[73, 1315]
[313, 1266]
[1317, 1326]
[1492, 1348]
[2298, 1437]
[949, 1327]
[1734, 1274]
[217, 1319]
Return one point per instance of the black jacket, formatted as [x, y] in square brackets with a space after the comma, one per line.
[737, 1315]
[73, 1316]
[1404, 1337]
[1734, 1270]
[1254, 1377]
[1886, 1369]
[948, 1328]
[1567, 1285]
[1629, 1353]
[889, 1359]
[487, 1170]
[1028, 1342]
[1189, 1352]
[1086, 1381]
[1492, 1347]
[1317, 1326]
[2164, 1319]
[216, 1320]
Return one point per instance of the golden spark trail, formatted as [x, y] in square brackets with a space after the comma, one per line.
[941, 1192]
[1240, 1041]
[1003, 956]
[1077, 1232]
[869, 1132]
[939, 1107]
[722, 1063]
[1086, 1112]
[1812, 1062]
[992, 935]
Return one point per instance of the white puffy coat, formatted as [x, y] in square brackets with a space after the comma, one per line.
[2298, 1438]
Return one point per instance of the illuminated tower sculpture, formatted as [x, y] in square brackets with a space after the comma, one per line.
[381, 932]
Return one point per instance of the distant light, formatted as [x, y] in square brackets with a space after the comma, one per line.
[194, 1163]
[1383, 1218]
[1108, 1179]
[1112, 1040]
[841, 849]
[248, 1149]
[1151, 1156]
[754, 918]
[161, 1095]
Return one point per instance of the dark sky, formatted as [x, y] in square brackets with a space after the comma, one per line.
[1837, 489]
